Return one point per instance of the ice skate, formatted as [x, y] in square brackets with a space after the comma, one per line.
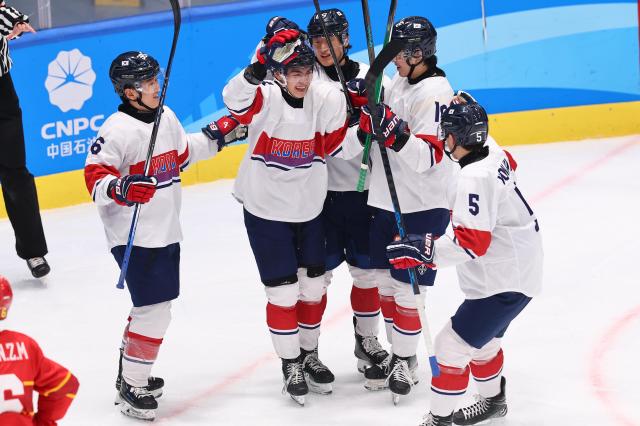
[137, 402]
[155, 386]
[433, 420]
[318, 376]
[294, 382]
[400, 378]
[369, 352]
[484, 408]
[377, 377]
[38, 267]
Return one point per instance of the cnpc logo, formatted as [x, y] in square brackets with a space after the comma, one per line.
[70, 80]
[73, 127]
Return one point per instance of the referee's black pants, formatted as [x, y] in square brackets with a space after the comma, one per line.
[18, 186]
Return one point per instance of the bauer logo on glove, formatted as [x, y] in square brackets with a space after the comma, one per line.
[412, 251]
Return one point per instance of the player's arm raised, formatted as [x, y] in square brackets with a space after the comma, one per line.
[245, 94]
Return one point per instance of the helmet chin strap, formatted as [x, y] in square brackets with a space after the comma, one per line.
[282, 82]
[450, 153]
[142, 104]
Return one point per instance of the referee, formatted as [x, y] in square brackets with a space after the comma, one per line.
[18, 186]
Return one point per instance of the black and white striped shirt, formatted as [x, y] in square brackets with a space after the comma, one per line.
[9, 17]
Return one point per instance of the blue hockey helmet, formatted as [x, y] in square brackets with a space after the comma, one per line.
[277, 24]
[295, 54]
[418, 33]
[130, 69]
[468, 123]
[335, 21]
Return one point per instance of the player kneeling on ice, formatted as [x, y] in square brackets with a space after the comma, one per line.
[282, 183]
[497, 249]
[23, 370]
[114, 177]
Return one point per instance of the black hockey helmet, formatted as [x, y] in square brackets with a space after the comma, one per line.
[468, 123]
[418, 33]
[277, 24]
[336, 23]
[130, 69]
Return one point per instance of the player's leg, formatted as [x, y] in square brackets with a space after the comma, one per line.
[365, 298]
[274, 249]
[381, 231]
[312, 302]
[153, 279]
[487, 358]
[401, 369]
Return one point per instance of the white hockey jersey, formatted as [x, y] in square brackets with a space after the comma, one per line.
[495, 242]
[419, 173]
[121, 149]
[283, 176]
[343, 174]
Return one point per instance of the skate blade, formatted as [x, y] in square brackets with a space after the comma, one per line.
[363, 365]
[128, 410]
[299, 399]
[395, 398]
[156, 393]
[320, 388]
[376, 384]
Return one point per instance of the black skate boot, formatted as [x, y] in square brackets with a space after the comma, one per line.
[38, 266]
[294, 384]
[378, 376]
[317, 374]
[137, 402]
[484, 408]
[369, 352]
[155, 386]
[400, 378]
[433, 420]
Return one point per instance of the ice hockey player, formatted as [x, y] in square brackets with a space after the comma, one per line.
[282, 183]
[415, 98]
[114, 177]
[345, 214]
[23, 370]
[497, 249]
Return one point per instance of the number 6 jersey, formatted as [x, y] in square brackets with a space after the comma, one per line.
[23, 370]
[496, 242]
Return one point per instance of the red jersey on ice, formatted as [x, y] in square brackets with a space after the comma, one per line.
[23, 370]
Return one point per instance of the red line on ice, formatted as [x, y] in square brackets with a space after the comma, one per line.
[570, 179]
[242, 373]
[248, 369]
[598, 360]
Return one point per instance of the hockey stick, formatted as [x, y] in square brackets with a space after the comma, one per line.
[377, 67]
[364, 164]
[175, 6]
[336, 65]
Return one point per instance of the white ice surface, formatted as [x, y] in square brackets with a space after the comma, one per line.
[571, 357]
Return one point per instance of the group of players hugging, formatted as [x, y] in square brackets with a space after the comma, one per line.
[303, 216]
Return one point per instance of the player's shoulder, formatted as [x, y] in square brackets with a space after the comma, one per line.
[488, 167]
[11, 338]
[323, 91]
[436, 86]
